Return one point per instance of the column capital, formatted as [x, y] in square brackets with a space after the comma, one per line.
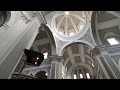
[99, 49]
[56, 58]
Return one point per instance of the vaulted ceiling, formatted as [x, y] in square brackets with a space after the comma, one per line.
[108, 25]
[78, 53]
[69, 23]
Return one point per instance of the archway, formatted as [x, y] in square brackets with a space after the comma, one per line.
[77, 56]
[44, 41]
[60, 52]
[105, 25]
[106, 31]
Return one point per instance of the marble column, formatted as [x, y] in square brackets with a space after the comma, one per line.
[56, 67]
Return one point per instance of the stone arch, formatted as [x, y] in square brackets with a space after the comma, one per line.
[104, 24]
[93, 27]
[50, 36]
[38, 70]
[60, 53]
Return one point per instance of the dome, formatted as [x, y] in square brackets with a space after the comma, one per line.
[69, 23]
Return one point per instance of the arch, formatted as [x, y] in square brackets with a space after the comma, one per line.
[38, 70]
[80, 72]
[51, 38]
[60, 52]
[86, 56]
[100, 29]
[94, 28]
[110, 34]
[12, 18]
[41, 75]
[80, 64]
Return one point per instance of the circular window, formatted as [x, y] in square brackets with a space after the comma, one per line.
[69, 24]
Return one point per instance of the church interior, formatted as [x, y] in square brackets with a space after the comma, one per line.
[59, 44]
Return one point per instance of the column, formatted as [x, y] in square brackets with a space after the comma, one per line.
[56, 67]
[12, 43]
[106, 63]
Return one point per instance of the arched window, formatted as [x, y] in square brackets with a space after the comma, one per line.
[81, 73]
